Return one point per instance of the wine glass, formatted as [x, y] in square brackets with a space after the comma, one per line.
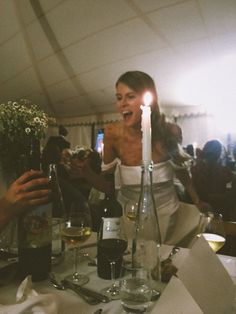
[131, 209]
[76, 228]
[112, 243]
[211, 227]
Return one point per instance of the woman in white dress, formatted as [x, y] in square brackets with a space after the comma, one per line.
[123, 157]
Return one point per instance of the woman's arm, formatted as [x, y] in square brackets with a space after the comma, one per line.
[104, 181]
[23, 193]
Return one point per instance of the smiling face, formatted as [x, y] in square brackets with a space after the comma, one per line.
[128, 104]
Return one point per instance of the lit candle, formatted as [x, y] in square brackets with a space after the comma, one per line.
[146, 128]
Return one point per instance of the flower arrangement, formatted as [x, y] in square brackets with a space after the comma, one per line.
[19, 121]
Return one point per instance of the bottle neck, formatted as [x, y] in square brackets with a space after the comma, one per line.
[146, 179]
[52, 171]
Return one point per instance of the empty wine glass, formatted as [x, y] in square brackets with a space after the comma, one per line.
[112, 243]
[76, 228]
[211, 227]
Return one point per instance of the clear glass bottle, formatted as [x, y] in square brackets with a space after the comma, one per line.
[58, 206]
[147, 238]
[58, 212]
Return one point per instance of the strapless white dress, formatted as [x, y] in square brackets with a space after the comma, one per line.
[178, 221]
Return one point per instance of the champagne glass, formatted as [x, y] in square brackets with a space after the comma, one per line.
[211, 227]
[76, 228]
[112, 243]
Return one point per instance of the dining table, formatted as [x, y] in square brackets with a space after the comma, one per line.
[68, 302]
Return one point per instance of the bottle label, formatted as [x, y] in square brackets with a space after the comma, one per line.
[111, 228]
[35, 227]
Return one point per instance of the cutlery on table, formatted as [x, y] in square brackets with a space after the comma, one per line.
[87, 294]
[60, 286]
[90, 293]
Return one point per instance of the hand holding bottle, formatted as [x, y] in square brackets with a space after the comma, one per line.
[28, 190]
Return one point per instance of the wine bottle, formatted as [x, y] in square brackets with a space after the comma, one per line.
[147, 238]
[109, 207]
[34, 229]
[58, 212]
[110, 212]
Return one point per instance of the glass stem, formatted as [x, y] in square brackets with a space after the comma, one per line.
[76, 254]
[113, 265]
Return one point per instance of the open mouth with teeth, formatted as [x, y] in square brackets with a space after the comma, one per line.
[127, 114]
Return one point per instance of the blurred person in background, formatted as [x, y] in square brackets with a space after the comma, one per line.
[212, 180]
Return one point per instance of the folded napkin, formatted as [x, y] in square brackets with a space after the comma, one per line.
[29, 301]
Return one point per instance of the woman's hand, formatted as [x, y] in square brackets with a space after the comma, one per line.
[28, 190]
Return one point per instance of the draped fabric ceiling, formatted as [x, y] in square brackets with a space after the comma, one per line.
[65, 55]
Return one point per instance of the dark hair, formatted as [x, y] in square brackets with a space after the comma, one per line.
[59, 141]
[62, 130]
[95, 160]
[190, 150]
[212, 150]
[140, 82]
[51, 154]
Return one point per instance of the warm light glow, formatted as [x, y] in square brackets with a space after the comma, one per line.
[213, 86]
[146, 128]
[147, 98]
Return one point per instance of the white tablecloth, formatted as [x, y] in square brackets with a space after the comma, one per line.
[71, 303]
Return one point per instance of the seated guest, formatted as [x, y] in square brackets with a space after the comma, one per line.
[62, 131]
[21, 195]
[211, 178]
[54, 153]
[92, 160]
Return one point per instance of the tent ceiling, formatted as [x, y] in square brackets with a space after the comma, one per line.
[66, 55]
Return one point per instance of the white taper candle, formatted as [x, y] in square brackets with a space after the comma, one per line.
[146, 128]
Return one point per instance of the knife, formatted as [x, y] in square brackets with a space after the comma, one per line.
[90, 293]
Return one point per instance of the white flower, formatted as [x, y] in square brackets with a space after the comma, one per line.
[27, 130]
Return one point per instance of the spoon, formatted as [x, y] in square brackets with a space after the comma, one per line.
[63, 286]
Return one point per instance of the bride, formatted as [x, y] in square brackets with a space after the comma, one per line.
[123, 156]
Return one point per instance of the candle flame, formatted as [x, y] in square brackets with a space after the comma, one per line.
[147, 98]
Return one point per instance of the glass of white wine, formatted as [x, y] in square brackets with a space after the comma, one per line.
[211, 227]
[76, 228]
[131, 209]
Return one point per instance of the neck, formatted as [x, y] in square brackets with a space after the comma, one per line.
[134, 130]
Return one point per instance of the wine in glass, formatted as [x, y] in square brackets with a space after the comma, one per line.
[212, 229]
[112, 243]
[76, 229]
[130, 213]
[131, 209]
